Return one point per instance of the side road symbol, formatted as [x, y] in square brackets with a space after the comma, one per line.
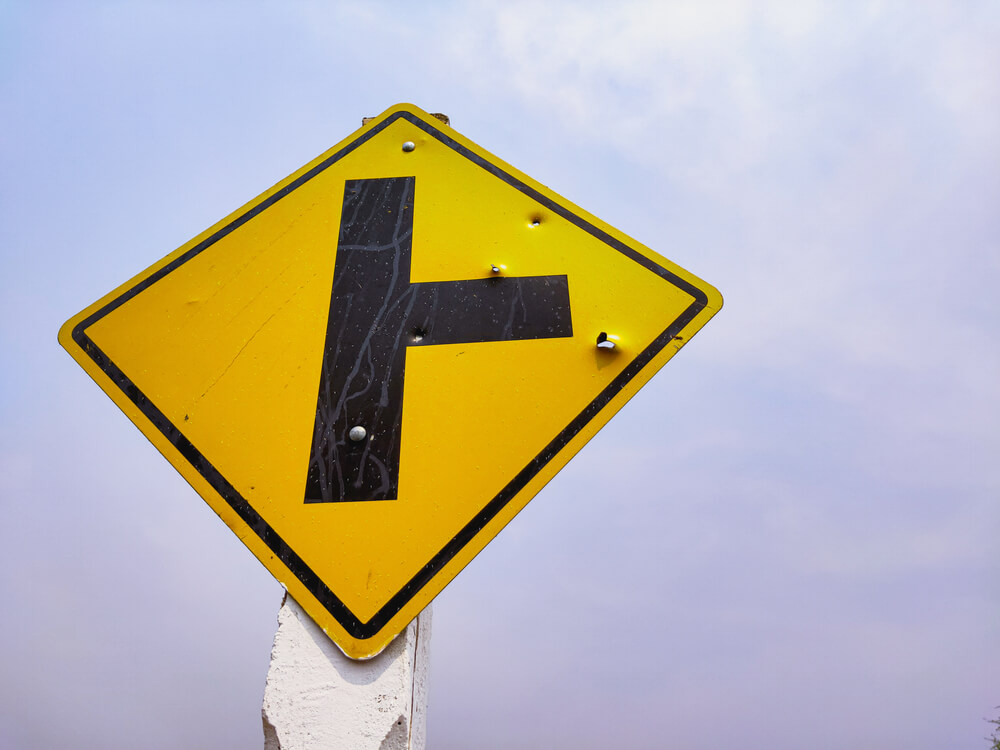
[376, 313]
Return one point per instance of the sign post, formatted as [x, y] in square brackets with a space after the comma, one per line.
[316, 697]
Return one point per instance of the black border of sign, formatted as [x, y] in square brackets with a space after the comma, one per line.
[355, 627]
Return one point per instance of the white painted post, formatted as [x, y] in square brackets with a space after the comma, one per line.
[318, 699]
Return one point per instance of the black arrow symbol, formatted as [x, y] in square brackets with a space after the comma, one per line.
[376, 313]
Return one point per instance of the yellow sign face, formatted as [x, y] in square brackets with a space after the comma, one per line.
[369, 369]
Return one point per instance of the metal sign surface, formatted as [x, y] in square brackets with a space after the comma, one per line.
[369, 369]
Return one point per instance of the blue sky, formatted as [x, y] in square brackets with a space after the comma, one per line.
[796, 518]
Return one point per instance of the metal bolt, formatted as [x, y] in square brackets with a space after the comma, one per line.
[495, 268]
[357, 433]
[409, 146]
[604, 341]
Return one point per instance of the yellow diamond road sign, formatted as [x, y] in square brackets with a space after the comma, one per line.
[370, 368]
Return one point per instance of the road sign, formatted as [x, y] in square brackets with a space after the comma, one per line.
[370, 368]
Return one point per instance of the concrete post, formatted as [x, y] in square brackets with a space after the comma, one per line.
[318, 699]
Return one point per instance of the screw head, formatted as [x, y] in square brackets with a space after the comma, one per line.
[409, 146]
[606, 341]
[357, 433]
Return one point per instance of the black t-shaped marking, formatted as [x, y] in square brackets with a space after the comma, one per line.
[376, 313]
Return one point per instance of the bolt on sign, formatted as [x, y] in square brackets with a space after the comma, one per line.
[370, 368]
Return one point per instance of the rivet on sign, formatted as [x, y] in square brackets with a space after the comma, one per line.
[409, 146]
[604, 341]
[495, 268]
[357, 433]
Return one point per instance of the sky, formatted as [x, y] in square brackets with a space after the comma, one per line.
[787, 538]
